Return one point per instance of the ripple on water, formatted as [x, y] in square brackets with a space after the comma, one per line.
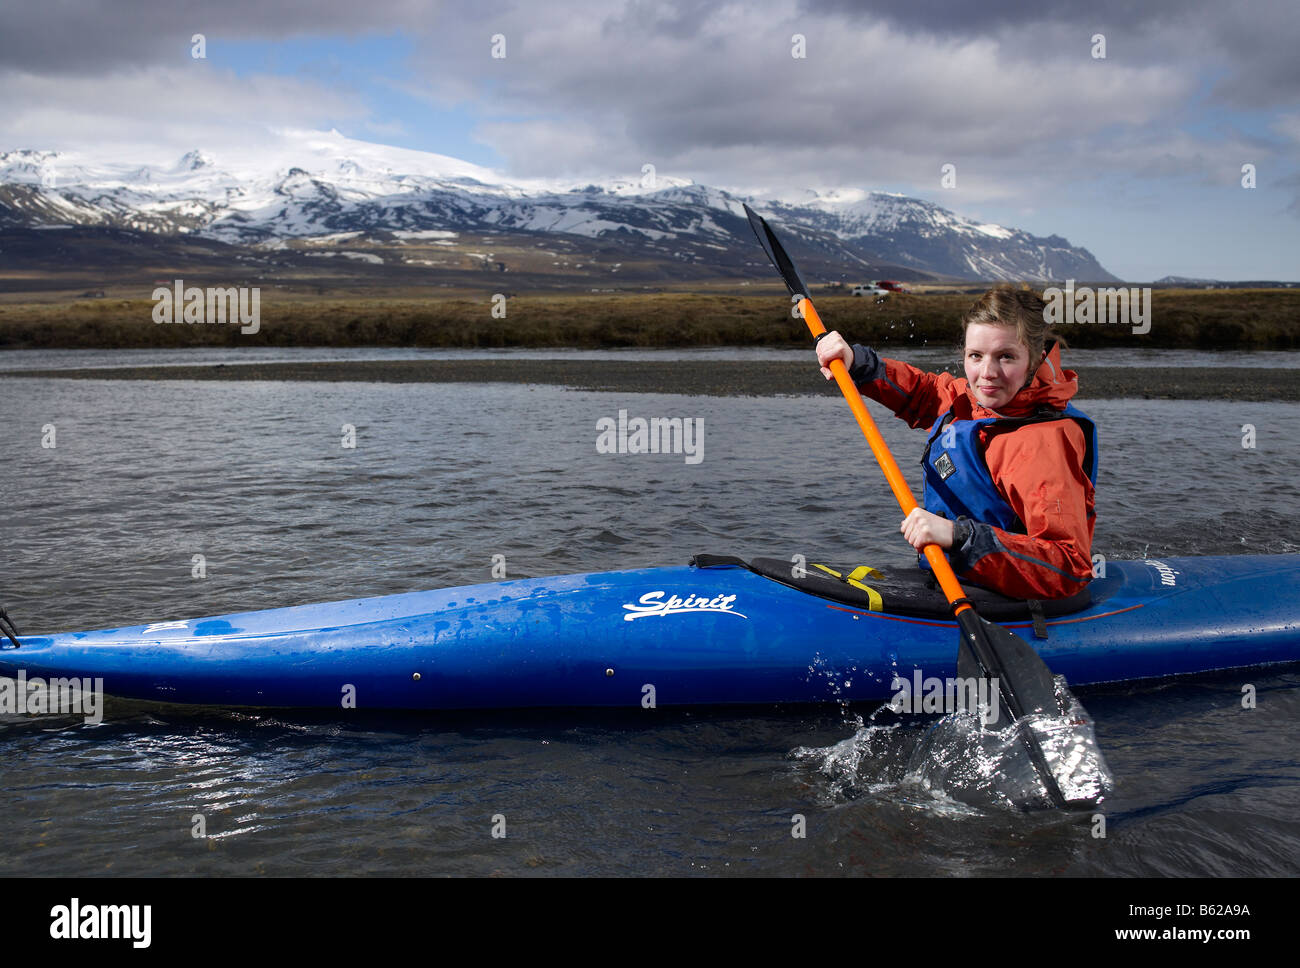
[101, 532]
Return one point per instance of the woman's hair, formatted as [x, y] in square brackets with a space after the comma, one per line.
[1006, 305]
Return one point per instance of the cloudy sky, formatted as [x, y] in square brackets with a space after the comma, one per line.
[1137, 156]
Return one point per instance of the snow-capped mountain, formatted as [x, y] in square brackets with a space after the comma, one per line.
[928, 237]
[325, 184]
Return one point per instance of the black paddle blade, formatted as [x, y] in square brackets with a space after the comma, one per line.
[998, 652]
[1052, 726]
[9, 629]
[776, 254]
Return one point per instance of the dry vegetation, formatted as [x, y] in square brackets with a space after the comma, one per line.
[1219, 319]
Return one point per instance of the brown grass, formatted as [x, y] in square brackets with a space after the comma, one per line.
[1213, 319]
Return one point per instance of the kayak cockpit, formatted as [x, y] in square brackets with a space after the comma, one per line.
[899, 591]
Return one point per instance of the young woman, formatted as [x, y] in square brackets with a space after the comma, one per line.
[1010, 464]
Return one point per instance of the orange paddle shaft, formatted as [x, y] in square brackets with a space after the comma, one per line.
[897, 483]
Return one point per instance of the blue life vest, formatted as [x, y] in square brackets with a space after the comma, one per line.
[957, 477]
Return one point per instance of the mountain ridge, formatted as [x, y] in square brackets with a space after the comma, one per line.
[325, 184]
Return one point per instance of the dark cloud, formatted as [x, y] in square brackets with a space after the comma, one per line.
[1253, 42]
[888, 90]
[945, 17]
[729, 85]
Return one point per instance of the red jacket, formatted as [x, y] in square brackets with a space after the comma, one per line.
[1037, 468]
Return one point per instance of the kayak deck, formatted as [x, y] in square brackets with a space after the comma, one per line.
[683, 635]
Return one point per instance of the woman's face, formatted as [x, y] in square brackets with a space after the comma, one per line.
[997, 364]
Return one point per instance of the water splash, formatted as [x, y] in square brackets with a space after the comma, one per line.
[957, 761]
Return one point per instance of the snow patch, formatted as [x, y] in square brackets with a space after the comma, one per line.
[428, 234]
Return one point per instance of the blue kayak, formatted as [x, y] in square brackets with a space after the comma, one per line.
[718, 631]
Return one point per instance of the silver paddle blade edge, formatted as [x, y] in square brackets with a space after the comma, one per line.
[965, 758]
[1069, 743]
[1041, 734]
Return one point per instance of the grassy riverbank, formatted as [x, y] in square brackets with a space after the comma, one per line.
[1180, 318]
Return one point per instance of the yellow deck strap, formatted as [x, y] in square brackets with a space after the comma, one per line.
[860, 572]
[875, 602]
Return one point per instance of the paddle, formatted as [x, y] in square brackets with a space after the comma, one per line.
[990, 652]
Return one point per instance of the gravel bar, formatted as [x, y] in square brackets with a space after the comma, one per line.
[691, 377]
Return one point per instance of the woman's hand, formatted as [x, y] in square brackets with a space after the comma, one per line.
[921, 528]
[832, 347]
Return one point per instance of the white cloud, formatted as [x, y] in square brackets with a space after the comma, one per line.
[722, 96]
[152, 114]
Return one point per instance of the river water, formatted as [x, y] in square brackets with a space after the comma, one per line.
[101, 529]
